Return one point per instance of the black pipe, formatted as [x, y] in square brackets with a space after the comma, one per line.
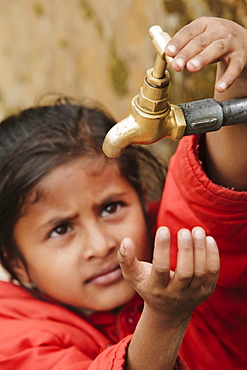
[210, 115]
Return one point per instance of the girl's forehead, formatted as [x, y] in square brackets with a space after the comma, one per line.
[88, 167]
[83, 170]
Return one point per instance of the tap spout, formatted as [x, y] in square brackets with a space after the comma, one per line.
[120, 136]
[141, 127]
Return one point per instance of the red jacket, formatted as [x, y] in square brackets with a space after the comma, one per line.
[40, 335]
[217, 335]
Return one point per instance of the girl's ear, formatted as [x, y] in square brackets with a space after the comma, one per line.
[21, 271]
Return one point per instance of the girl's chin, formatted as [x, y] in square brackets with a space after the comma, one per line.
[105, 298]
[116, 299]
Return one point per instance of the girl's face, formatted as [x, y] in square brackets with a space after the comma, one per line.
[70, 236]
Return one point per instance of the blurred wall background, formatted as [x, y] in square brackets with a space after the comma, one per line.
[95, 48]
[98, 49]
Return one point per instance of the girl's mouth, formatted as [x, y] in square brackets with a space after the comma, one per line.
[106, 276]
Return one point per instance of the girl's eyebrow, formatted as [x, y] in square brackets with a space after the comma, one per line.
[57, 220]
[111, 198]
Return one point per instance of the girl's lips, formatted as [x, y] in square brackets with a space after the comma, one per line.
[106, 276]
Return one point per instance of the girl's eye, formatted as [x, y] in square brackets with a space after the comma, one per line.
[60, 230]
[111, 208]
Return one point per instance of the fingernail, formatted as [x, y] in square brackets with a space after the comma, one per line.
[222, 86]
[172, 48]
[185, 233]
[179, 62]
[163, 232]
[195, 62]
[122, 249]
[199, 233]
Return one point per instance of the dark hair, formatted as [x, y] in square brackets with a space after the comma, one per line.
[38, 139]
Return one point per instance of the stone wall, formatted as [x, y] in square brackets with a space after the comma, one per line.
[98, 49]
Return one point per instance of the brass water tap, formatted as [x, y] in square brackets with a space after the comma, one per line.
[152, 117]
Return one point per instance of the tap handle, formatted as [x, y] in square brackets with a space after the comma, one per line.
[159, 42]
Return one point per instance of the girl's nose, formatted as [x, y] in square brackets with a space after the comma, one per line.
[99, 243]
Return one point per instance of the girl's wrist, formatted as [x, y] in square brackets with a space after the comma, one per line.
[161, 317]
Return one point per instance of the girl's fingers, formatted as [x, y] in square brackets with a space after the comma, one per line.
[203, 50]
[213, 264]
[210, 54]
[199, 52]
[208, 40]
[190, 41]
[183, 37]
[185, 260]
[160, 272]
[232, 71]
[130, 266]
[197, 261]
[196, 272]
[200, 258]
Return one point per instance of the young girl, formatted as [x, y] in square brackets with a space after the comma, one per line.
[65, 210]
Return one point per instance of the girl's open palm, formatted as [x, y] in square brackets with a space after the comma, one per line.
[174, 294]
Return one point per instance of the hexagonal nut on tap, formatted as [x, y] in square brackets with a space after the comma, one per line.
[150, 105]
[158, 82]
[153, 94]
